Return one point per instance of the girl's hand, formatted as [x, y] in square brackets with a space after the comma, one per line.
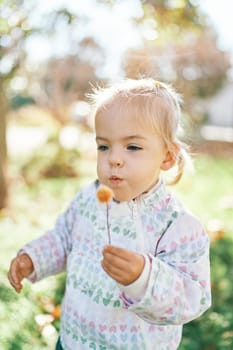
[124, 266]
[21, 267]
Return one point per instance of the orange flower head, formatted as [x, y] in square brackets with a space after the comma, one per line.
[104, 194]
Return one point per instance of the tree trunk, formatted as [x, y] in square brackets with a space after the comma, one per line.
[3, 187]
[3, 150]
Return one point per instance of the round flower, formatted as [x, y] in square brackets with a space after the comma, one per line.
[104, 194]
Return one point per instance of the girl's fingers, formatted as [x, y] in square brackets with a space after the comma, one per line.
[16, 285]
[126, 260]
[122, 265]
[14, 271]
[115, 266]
[113, 260]
[112, 251]
[13, 276]
[118, 275]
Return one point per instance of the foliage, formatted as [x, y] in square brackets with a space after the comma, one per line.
[211, 200]
[51, 160]
[213, 330]
[32, 209]
[197, 68]
[20, 100]
[13, 16]
[182, 12]
[181, 48]
[14, 29]
[202, 192]
[19, 313]
[57, 83]
[64, 81]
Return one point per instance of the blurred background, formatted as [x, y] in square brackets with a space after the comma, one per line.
[52, 53]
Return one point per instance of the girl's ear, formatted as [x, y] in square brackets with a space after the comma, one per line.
[170, 157]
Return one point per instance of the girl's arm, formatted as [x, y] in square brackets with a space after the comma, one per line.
[49, 252]
[176, 287]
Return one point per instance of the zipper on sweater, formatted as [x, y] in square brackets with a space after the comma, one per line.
[134, 209]
[140, 239]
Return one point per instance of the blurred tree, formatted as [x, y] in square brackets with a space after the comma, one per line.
[13, 31]
[179, 47]
[3, 149]
[174, 16]
[56, 86]
[62, 81]
[73, 65]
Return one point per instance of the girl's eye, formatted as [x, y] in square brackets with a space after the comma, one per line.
[102, 148]
[133, 148]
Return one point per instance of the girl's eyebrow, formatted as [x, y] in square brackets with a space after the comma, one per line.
[126, 138]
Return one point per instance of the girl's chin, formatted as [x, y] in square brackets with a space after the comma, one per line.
[122, 197]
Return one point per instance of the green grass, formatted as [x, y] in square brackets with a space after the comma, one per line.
[34, 208]
[208, 192]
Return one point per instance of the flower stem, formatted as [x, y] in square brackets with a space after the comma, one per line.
[108, 224]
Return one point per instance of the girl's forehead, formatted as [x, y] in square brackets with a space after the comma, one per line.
[122, 107]
[124, 122]
[115, 116]
[140, 110]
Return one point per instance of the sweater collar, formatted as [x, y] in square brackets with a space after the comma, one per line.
[157, 197]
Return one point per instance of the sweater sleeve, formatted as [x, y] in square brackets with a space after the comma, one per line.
[136, 289]
[49, 252]
[178, 287]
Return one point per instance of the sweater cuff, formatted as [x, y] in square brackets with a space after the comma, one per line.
[137, 289]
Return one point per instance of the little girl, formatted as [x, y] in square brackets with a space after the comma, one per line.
[138, 291]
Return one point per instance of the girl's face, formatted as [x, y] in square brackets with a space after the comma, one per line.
[130, 154]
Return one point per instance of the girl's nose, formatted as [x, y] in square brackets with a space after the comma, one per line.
[116, 161]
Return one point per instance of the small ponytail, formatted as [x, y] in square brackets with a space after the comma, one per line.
[183, 160]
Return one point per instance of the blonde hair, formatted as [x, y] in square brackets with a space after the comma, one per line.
[153, 102]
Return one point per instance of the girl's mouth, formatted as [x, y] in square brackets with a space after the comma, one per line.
[115, 179]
